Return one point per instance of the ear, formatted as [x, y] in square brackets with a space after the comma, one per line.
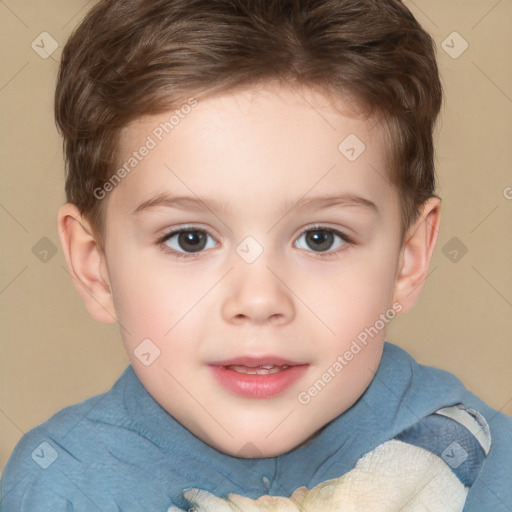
[416, 254]
[86, 263]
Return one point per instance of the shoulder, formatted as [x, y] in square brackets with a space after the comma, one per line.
[455, 425]
[72, 429]
[458, 435]
[116, 451]
[420, 390]
[49, 458]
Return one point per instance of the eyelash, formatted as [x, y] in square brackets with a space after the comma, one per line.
[161, 241]
[347, 241]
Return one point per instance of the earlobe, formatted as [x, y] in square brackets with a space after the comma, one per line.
[86, 263]
[416, 255]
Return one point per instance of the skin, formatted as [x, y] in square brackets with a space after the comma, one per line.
[258, 153]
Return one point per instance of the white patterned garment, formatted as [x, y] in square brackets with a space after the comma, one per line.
[398, 476]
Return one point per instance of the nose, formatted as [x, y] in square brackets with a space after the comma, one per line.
[257, 295]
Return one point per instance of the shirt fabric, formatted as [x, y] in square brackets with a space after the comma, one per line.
[120, 451]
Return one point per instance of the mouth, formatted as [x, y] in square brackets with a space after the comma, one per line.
[256, 370]
[257, 377]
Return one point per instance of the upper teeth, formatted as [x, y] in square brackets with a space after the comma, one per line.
[258, 370]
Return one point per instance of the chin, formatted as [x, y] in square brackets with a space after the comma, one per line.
[253, 447]
[257, 447]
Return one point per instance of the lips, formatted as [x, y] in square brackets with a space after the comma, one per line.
[256, 370]
[252, 362]
[257, 377]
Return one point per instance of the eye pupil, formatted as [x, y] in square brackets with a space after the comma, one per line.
[320, 240]
[192, 241]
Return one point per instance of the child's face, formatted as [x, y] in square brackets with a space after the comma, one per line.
[262, 189]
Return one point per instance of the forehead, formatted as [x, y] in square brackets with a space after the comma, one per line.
[275, 143]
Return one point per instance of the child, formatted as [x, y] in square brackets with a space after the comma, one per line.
[251, 198]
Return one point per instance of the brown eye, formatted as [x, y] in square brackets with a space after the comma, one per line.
[192, 241]
[188, 241]
[321, 240]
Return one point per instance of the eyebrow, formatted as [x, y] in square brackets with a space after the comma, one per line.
[304, 204]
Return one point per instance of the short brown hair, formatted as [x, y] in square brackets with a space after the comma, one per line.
[133, 58]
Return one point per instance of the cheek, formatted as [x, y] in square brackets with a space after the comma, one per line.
[351, 295]
[143, 298]
[156, 300]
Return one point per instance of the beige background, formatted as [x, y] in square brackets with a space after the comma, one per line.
[53, 354]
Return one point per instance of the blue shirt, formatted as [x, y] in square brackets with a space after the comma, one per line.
[121, 451]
